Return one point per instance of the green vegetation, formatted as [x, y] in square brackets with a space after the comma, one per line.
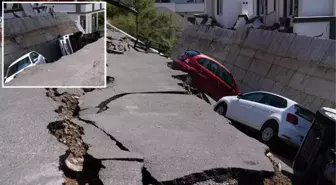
[156, 26]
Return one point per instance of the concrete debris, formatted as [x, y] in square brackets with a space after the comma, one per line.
[118, 46]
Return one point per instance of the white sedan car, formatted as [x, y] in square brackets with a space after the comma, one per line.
[274, 116]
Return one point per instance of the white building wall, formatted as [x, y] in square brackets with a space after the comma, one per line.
[312, 29]
[96, 6]
[189, 7]
[170, 6]
[209, 7]
[64, 7]
[88, 23]
[86, 8]
[316, 8]
[231, 10]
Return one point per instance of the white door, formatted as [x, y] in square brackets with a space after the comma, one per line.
[244, 108]
[268, 105]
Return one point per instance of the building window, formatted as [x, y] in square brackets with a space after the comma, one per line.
[219, 7]
[275, 5]
[296, 8]
[291, 7]
[82, 20]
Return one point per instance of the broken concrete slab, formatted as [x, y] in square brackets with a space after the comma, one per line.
[121, 172]
[179, 138]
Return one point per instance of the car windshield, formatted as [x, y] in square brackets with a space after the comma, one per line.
[304, 113]
[23, 63]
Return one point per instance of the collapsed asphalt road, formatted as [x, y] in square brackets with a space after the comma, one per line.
[143, 129]
[83, 68]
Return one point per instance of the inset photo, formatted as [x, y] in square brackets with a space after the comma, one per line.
[53, 44]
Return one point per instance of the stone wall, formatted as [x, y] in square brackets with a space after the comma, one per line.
[298, 67]
[22, 35]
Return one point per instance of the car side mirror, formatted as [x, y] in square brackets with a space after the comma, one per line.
[240, 96]
[35, 60]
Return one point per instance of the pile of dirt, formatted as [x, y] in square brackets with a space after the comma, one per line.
[69, 134]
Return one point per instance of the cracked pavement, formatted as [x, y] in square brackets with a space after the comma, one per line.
[143, 129]
[84, 68]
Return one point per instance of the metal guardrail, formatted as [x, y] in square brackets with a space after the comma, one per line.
[148, 43]
[131, 37]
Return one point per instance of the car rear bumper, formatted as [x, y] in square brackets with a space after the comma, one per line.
[290, 135]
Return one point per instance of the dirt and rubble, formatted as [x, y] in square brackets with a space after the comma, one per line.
[118, 46]
[78, 166]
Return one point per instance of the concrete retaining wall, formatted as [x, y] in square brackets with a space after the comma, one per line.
[22, 35]
[299, 67]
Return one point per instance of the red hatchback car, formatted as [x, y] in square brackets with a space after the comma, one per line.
[206, 74]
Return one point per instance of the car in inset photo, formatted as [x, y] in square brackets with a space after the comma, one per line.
[28, 60]
[69, 35]
[274, 116]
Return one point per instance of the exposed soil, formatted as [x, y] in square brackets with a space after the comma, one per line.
[78, 166]
[277, 178]
[69, 134]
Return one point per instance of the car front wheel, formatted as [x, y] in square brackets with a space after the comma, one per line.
[269, 133]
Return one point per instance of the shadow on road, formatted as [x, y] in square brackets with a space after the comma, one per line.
[281, 150]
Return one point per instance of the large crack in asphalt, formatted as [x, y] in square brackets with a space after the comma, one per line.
[77, 165]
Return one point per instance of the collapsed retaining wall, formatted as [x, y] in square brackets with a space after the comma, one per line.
[299, 67]
[22, 35]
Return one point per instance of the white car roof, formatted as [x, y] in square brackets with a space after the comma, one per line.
[22, 57]
[289, 101]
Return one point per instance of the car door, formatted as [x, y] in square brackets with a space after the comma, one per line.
[226, 85]
[202, 77]
[213, 82]
[268, 105]
[243, 107]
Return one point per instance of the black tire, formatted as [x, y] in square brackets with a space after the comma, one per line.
[269, 132]
[221, 109]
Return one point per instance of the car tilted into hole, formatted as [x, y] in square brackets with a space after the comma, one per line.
[274, 116]
[206, 74]
[28, 60]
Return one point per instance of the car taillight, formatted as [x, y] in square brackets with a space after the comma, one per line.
[291, 118]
